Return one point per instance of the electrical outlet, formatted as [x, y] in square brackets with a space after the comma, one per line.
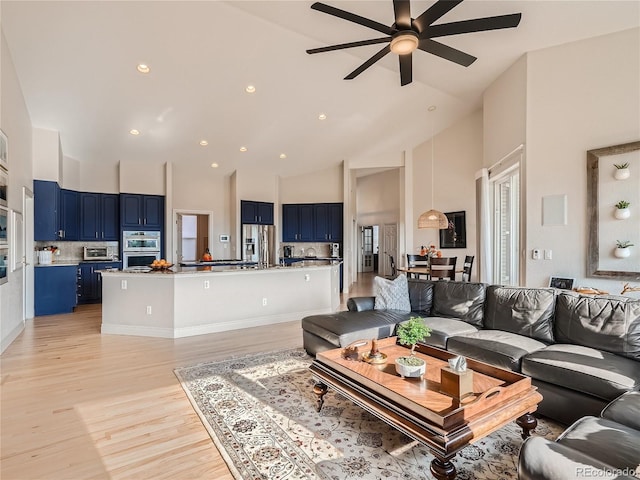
[536, 254]
[148, 309]
[307, 277]
[548, 254]
[264, 302]
[206, 284]
[123, 284]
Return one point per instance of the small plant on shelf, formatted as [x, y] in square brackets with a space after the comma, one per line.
[624, 244]
[622, 204]
[622, 171]
[622, 210]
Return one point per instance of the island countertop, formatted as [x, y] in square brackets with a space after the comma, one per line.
[183, 301]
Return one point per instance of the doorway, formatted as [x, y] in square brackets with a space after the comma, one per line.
[192, 235]
[369, 248]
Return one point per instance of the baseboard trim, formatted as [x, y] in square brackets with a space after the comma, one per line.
[13, 334]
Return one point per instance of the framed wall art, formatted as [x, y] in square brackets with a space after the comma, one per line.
[456, 235]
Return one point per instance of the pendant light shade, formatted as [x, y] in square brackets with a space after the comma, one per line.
[433, 219]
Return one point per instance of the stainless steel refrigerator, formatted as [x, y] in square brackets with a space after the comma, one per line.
[259, 244]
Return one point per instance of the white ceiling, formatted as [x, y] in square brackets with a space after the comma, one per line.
[76, 62]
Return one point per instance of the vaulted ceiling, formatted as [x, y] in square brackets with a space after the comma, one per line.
[76, 62]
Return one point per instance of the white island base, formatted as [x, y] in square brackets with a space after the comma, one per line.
[186, 303]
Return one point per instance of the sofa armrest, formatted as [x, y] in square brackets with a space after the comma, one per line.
[361, 304]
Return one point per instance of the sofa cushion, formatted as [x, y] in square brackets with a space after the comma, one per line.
[420, 296]
[462, 300]
[501, 349]
[611, 324]
[444, 328]
[525, 311]
[583, 369]
[625, 410]
[392, 294]
[344, 328]
[604, 440]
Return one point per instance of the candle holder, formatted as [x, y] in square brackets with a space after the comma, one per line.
[374, 356]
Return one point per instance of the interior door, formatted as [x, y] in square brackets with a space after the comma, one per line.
[389, 247]
[27, 239]
[367, 249]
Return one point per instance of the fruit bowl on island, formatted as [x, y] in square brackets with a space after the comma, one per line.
[161, 265]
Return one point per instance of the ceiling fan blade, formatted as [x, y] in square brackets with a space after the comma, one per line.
[474, 25]
[368, 63]
[352, 17]
[434, 12]
[349, 45]
[406, 71]
[402, 11]
[446, 52]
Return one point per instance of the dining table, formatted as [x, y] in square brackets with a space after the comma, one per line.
[418, 271]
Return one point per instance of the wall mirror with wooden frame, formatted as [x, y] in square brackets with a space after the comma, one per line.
[607, 186]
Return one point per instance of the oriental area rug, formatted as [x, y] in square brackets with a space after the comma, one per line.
[260, 413]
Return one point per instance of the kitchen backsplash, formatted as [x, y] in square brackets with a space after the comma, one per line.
[74, 251]
[301, 249]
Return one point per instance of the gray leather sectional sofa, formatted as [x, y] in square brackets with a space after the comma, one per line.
[581, 351]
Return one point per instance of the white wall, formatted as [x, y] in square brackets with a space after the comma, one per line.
[378, 198]
[581, 96]
[140, 177]
[16, 124]
[457, 153]
[46, 154]
[317, 187]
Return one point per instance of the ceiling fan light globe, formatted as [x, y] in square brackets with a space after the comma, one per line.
[404, 43]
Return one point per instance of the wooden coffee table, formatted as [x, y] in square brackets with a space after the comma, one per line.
[417, 408]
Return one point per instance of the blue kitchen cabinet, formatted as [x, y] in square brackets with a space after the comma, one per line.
[328, 222]
[89, 284]
[69, 227]
[55, 289]
[141, 212]
[99, 216]
[297, 222]
[256, 213]
[46, 215]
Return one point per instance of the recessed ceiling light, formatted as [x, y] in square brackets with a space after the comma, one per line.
[142, 68]
[250, 89]
[204, 143]
[322, 116]
[133, 131]
[431, 108]
[243, 149]
[214, 165]
[283, 155]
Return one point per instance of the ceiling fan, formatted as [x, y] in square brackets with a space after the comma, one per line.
[407, 34]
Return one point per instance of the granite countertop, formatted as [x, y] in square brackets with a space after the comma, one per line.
[65, 263]
[177, 269]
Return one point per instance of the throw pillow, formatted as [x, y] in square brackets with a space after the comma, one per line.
[392, 294]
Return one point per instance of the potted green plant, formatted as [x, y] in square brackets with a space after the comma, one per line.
[622, 210]
[410, 333]
[622, 249]
[622, 171]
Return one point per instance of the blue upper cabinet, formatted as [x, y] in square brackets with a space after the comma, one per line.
[297, 223]
[99, 216]
[328, 222]
[257, 213]
[335, 222]
[143, 212]
[46, 215]
[69, 215]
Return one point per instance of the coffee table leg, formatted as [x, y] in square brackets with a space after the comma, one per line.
[527, 422]
[443, 469]
[320, 389]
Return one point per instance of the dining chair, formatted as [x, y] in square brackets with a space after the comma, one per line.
[394, 272]
[466, 268]
[443, 268]
[416, 261]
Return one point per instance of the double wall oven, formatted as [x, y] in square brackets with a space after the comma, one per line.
[140, 249]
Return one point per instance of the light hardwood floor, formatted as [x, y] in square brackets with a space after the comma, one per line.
[80, 405]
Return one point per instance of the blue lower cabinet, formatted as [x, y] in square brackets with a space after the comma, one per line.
[55, 289]
[90, 280]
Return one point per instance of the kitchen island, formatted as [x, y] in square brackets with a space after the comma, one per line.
[195, 300]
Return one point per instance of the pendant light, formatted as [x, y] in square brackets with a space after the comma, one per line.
[433, 218]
